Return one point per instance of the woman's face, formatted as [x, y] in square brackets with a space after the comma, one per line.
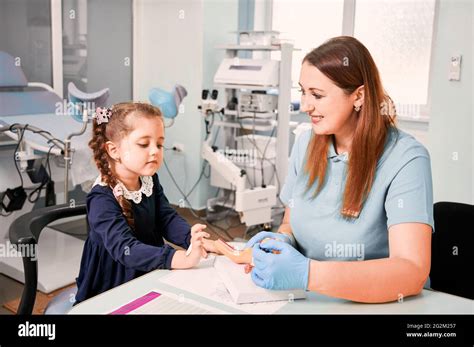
[330, 109]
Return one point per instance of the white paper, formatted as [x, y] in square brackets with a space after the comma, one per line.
[170, 303]
[206, 282]
[242, 288]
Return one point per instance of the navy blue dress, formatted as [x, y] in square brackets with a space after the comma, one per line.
[114, 254]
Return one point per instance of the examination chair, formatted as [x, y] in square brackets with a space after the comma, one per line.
[26, 230]
[451, 249]
[168, 102]
[82, 99]
[16, 96]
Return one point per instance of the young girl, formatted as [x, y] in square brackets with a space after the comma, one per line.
[127, 210]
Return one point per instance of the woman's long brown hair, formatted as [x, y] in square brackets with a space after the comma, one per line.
[348, 63]
[116, 128]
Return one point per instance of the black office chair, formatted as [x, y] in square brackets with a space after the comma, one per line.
[451, 249]
[26, 230]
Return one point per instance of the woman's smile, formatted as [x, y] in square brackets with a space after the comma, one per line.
[316, 119]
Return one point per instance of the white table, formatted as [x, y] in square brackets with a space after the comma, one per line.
[428, 302]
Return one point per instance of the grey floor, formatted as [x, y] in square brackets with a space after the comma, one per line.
[11, 289]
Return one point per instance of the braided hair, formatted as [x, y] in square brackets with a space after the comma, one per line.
[114, 130]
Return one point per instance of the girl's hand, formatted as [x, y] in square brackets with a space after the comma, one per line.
[191, 257]
[197, 228]
[196, 251]
[197, 237]
[210, 246]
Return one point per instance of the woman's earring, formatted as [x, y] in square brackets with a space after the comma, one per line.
[357, 108]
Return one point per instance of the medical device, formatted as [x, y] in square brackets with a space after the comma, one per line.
[59, 148]
[257, 72]
[38, 124]
[209, 105]
[247, 161]
[80, 100]
[258, 101]
[258, 37]
[41, 122]
[252, 203]
[168, 102]
[12, 199]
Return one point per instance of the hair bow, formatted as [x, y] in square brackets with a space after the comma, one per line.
[102, 115]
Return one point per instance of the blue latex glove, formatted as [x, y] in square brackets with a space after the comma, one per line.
[256, 239]
[287, 270]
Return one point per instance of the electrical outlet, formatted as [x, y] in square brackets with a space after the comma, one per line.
[178, 147]
[455, 68]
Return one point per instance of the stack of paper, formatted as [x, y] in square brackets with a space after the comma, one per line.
[243, 290]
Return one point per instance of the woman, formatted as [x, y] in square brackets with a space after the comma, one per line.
[359, 213]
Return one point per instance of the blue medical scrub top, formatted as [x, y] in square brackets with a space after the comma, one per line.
[401, 193]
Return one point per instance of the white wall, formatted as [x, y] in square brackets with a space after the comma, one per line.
[110, 48]
[25, 32]
[419, 130]
[171, 50]
[451, 126]
[472, 111]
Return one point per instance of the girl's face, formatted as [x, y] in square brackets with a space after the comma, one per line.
[141, 151]
[330, 109]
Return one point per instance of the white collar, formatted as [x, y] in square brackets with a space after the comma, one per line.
[136, 195]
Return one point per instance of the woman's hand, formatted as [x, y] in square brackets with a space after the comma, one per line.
[281, 270]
